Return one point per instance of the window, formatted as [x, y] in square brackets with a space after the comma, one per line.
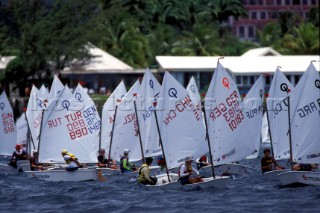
[250, 32]
[274, 15]
[252, 80]
[269, 2]
[253, 15]
[244, 2]
[287, 2]
[241, 32]
[263, 15]
[238, 80]
[252, 2]
[268, 78]
[279, 2]
[313, 2]
[260, 2]
[296, 79]
[245, 79]
[305, 2]
[296, 2]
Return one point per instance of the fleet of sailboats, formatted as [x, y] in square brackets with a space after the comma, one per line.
[152, 120]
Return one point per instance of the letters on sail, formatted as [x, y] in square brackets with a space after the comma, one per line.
[108, 112]
[70, 122]
[253, 109]
[181, 127]
[305, 118]
[8, 132]
[277, 106]
[147, 95]
[125, 135]
[226, 120]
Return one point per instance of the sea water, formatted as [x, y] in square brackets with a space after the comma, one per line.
[253, 194]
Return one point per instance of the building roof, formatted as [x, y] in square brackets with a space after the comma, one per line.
[262, 60]
[263, 51]
[101, 62]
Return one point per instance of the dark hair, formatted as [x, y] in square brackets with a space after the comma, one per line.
[266, 150]
[149, 160]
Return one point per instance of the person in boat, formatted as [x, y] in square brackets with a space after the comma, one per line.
[202, 162]
[268, 163]
[71, 160]
[186, 171]
[125, 165]
[161, 162]
[304, 167]
[143, 174]
[34, 162]
[18, 154]
[106, 163]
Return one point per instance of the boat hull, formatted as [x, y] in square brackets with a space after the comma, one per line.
[273, 175]
[218, 182]
[229, 169]
[63, 175]
[299, 177]
[22, 166]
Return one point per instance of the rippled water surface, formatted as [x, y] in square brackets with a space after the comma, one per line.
[255, 194]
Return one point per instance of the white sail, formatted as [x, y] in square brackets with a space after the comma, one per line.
[56, 88]
[181, 127]
[44, 91]
[108, 113]
[194, 94]
[70, 122]
[277, 106]
[147, 95]
[305, 118]
[22, 129]
[37, 103]
[225, 119]
[265, 137]
[253, 109]
[125, 129]
[8, 134]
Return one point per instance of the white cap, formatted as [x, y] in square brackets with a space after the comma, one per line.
[126, 151]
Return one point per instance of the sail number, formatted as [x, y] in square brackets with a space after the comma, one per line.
[8, 122]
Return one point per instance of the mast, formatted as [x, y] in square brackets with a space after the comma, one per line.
[114, 121]
[160, 140]
[29, 135]
[135, 110]
[208, 139]
[100, 133]
[289, 131]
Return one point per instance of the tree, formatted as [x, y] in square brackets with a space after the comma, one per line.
[47, 38]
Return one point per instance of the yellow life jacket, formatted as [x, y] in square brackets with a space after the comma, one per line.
[189, 169]
[143, 165]
[71, 156]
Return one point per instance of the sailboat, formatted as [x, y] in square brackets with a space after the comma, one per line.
[8, 135]
[70, 122]
[182, 133]
[226, 124]
[277, 109]
[304, 104]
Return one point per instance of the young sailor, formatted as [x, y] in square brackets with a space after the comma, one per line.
[202, 162]
[268, 163]
[34, 162]
[185, 172]
[304, 167]
[125, 165]
[71, 160]
[103, 162]
[18, 154]
[161, 162]
[143, 175]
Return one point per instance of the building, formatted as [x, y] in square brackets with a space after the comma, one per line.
[245, 69]
[260, 12]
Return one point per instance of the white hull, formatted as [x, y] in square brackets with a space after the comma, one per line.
[229, 169]
[162, 182]
[22, 166]
[273, 175]
[299, 177]
[63, 175]
[115, 174]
